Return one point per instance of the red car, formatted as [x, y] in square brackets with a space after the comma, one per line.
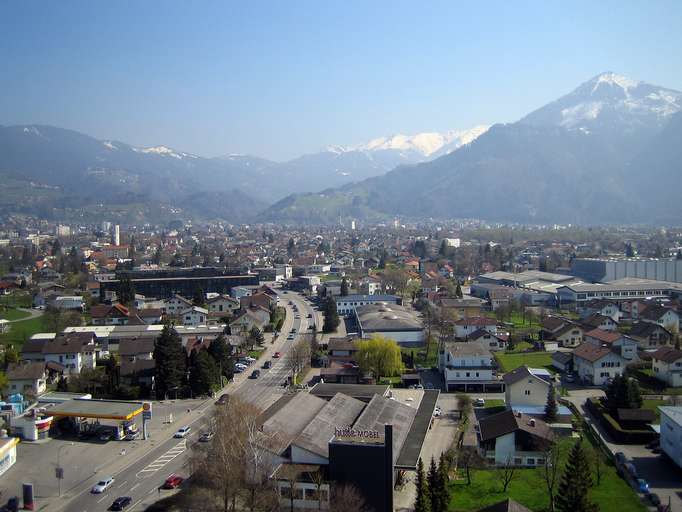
[276, 355]
[172, 482]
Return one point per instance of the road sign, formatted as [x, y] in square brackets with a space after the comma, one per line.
[146, 410]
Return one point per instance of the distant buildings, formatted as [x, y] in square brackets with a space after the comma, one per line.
[601, 270]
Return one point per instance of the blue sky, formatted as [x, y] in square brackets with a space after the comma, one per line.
[282, 78]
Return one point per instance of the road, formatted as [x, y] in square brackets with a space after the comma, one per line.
[140, 467]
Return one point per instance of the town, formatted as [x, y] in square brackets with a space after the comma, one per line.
[441, 366]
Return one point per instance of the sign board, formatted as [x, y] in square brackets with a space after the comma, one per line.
[349, 434]
[146, 410]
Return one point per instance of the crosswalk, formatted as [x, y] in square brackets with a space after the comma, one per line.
[165, 458]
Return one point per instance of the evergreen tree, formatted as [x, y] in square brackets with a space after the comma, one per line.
[331, 316]
[443, 491]
[256, 336]
[573, 492]
[629, 250]
[634, 396]
[56, 247]
[126, 291]
[204, 375]
[170, 362]
[510, 342]
[458, 291]
[199, 298]
[221, 352]
[421, 502]
[344, 287]
[551, 408]
[432, 479]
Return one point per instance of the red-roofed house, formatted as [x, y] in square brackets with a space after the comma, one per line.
[666, 364]
[613, 339]
[597, 365]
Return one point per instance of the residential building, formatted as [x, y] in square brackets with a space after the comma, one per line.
[466, 326]
[624, 345]
[596, 365]
[467, 366]
[247, 320]
[666, 364]
[346, 305]
[175, 305]
[650, 335]
[514, 438]
[598, 321]
[671, 432]
[661, 315]
[223, 304]
[602, 307]
[194, 316]
[489, 340]
[526, 387]
[68, 302]
[457, 309]
[563, 361]
[28, 377]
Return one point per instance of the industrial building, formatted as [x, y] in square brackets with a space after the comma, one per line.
[600, 270]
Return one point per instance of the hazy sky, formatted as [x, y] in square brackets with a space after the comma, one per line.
[282, 78]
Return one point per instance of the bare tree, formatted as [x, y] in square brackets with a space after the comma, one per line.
[550, 470]
[345, 498]
[507, 473]
[299, 356]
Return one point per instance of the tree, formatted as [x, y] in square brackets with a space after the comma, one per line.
[204, 374]
[443, 479]
[458, 291]
[299, 356]
[678, 256]
[421, 503]
[634, 396]
[170, 362]
[346, 497]
[126, 291]
[11, 355]
[331, 316]
[629, 250]
[507, 473]
[551, 408]
[256, 336]
[56, 247]
[623, 393]
[573, 492]
[598, 463]
[199, 297]
[379, 356]
[550, 470]
[221, 352]
[510, 342]
[344, 287]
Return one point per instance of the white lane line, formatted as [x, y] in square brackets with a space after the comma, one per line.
[123, 483]
[135, 486]
[165, 458]
[101, 499]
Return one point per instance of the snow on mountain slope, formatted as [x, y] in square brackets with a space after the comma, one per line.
[164, 151]
[427, 144]
[609, 99]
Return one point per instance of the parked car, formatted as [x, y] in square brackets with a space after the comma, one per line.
[173, 481]
[182, 432]
[102, 485]
[254, 374]
[277, 355]
[131, 436]
[569, 377]
[267, 365]
[630, 468]
[655, 499]
[479, 402]
[223, 400]
[620, 458]
[206, 436]
[121, 502]
[105, 436]
[309, 315]
[642, 486]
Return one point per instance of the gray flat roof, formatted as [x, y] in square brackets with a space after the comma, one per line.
[412, 447]
[103, 409]
[363, 392]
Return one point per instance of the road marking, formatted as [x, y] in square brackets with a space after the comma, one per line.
[123, 483]
[135, 486]
[101, 499]
[165, 458]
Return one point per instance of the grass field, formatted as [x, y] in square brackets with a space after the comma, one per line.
[494, 402]
[528, 488]
[431, 358]
[16, 300]
[13, 314]
[510, 361]
[21, 331]
[653, 405]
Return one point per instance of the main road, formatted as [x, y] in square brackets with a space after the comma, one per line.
[140, 473]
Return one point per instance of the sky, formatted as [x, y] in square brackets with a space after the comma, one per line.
[284, 78]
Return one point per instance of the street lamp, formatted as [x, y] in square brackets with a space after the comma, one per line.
[60, 471]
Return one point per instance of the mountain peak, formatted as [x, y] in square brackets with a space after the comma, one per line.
[611, 78]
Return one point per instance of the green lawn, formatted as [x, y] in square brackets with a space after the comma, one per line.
[528, 488]
[17, 300]
[494, 402]
[653, 405]
[431, 358]
[13, 314]
[510, 361]
[22, 331]
[392, 381]
[520, 346]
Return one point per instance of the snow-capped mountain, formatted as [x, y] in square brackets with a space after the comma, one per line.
[427, 144]
[610, 100]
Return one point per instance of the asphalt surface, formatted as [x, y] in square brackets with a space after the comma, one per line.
[140, 467]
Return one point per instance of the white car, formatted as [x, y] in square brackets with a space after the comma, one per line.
[479, 402]
[102, 485]
[183, 432]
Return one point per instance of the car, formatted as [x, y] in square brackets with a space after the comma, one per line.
[569, 377]
[131, 436]
[102, 485]
[309, 315]
[105, 436]
[479, 402]
[290, 337]
[254, 374]
[121, 502]
[250, 359]
[206, 436]
[241, 366]
[293, 330]
[630, 468]
[223, 400]
[620, 457]
[642, 486]
[173, 481]
[182, 432]
[267, 365]
[277, 355]
[655, 499]
[429, 385]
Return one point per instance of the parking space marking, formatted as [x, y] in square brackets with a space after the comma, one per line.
[165, 458]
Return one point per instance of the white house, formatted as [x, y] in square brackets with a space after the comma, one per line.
[467, 365]
[526, 387]
[665, 317]
[596, 365]
[513, 438]
[223, 304]
[626, 346]
[69, 302]
[666, 364]
[671, 432]
[346, 305]
[466, 326]
[601, 307]
[194, 316]
[74, 351]
[492, 341]
[176, 305]
[27, 377]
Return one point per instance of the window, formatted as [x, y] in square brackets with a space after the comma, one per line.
[527, 392]
[530, 461]
[540, 461]
[518, 461]
[468, 374]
